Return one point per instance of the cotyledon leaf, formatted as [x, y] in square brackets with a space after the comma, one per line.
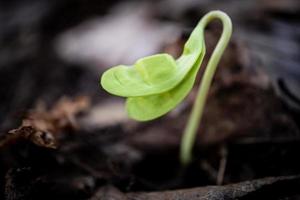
[154, 74]
[147, 76]
[152, 106]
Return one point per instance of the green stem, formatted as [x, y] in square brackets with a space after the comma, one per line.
[190, 131]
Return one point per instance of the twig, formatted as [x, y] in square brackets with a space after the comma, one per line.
[222, 166]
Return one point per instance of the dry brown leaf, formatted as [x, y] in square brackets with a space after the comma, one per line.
[42, 124]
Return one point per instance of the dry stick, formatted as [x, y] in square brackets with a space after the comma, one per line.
[222, 165]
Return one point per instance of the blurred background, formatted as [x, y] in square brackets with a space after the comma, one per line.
[53, 48]
[53, 52]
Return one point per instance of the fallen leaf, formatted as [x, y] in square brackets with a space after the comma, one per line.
[41, 125]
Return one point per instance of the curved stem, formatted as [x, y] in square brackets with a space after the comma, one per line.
[197, 111]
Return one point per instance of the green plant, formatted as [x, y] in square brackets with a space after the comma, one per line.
[156, 84]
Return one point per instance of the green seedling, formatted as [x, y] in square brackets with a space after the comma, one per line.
[156, 84]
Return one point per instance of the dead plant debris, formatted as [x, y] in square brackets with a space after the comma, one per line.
[41, 124]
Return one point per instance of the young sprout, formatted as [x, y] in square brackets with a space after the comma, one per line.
[156, 84]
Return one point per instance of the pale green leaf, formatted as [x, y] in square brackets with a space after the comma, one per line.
[150, 107]
[154, 74]
[148, 75]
